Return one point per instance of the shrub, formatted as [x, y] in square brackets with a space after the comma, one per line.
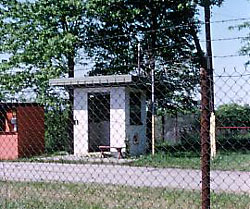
[56, 134]
[233, 115]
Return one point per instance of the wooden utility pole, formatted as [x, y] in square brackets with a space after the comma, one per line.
[207, 109]
[211, 77]
[205, 139]
[209, 53]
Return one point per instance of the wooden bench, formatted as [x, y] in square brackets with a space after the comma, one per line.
[104, 148]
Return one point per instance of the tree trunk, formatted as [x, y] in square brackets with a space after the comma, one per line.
[163, 127]
[200, 53]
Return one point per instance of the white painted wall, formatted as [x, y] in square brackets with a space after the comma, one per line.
[117, 118]
[81, 127]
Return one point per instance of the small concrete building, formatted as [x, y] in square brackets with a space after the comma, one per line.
[108, 111]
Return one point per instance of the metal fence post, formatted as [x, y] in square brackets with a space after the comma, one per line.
[205, 138]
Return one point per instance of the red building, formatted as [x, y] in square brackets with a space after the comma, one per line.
[21, 130]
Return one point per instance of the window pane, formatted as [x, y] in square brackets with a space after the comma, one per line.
[135, 108]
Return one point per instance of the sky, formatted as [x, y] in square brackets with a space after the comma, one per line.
[230, 9]
[230, 74]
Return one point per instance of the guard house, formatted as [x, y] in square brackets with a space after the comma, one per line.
[21, 130]
[108, 111]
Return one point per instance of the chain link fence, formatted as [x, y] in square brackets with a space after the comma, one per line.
[108, 146]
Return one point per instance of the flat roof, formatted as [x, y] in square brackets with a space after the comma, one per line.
[106, 80]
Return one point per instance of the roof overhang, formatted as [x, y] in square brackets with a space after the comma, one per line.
[97, 81]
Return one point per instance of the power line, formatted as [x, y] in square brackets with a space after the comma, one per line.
[178, 61]
[229, 55]
[96, 38]
[230, 20]
[228, 39]
[232, 76]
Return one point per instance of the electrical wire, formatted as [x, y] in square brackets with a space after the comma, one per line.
[101, 38]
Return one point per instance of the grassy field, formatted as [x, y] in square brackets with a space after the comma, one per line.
[92, 196]
[223, 161]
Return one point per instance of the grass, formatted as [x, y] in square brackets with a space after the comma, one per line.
[225, 160]
[92, 196]
[169, 160]
[191, 160]
[239, 161]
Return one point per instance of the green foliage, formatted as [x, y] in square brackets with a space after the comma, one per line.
[45, 39]
[233, 115]
[233, 141]
[225, 160]
[190, 142]
[245, 49]
[42, 40]
[131, 22]
[164, 30]
[209, 2]
[56, 134]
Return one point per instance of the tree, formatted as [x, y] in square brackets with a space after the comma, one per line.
[43, 39]
[245, 49]
[163, 29]
[168, 35]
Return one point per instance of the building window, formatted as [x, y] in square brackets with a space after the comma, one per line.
[135, 108]
[8, 122]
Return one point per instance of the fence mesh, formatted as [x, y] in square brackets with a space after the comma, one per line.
[99, 151]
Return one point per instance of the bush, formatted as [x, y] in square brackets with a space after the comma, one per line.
[233, 115]
[56, 134]
[189, 142]
[233, 142]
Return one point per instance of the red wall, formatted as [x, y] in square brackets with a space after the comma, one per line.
[30, 121]
[8, 146]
